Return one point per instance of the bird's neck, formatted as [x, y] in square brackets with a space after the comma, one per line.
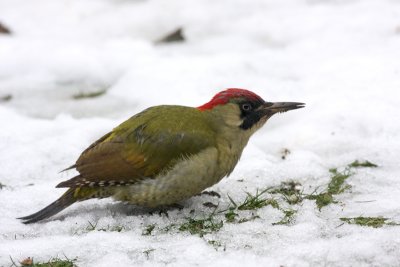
[231, 139]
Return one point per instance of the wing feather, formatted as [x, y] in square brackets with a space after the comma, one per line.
[143, 147]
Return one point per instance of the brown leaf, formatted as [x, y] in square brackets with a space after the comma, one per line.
[175, 36]
[4, 29]
[27, 262]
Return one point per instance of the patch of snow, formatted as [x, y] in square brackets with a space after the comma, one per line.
[341, 58]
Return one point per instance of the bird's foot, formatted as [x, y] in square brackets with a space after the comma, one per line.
[210, 193]
[210, 205]
[164, 210]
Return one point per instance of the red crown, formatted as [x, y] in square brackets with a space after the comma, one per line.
[224, 97]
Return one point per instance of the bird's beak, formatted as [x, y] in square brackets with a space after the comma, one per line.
[270, 108]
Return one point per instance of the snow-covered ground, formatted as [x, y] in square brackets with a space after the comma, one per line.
[342, 58]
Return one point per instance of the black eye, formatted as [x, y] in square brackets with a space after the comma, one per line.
[246, 107]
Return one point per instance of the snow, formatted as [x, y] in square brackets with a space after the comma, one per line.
[341, 58]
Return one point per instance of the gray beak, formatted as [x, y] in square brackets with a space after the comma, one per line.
[278, 107]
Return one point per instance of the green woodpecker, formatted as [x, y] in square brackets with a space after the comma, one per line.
[166, 154]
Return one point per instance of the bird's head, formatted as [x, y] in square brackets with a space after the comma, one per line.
[245, 109]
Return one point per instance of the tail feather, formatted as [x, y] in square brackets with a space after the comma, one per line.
[63, 202]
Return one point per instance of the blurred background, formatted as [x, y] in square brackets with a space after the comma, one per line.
[110, 58]
[71, 70]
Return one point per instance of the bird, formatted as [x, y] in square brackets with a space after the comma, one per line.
[167, 153]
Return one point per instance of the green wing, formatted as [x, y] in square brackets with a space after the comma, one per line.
[144, 146]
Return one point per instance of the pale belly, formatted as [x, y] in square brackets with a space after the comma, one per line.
[186, 179]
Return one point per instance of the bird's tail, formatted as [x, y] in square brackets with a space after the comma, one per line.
[63, 202]
[68, 198]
